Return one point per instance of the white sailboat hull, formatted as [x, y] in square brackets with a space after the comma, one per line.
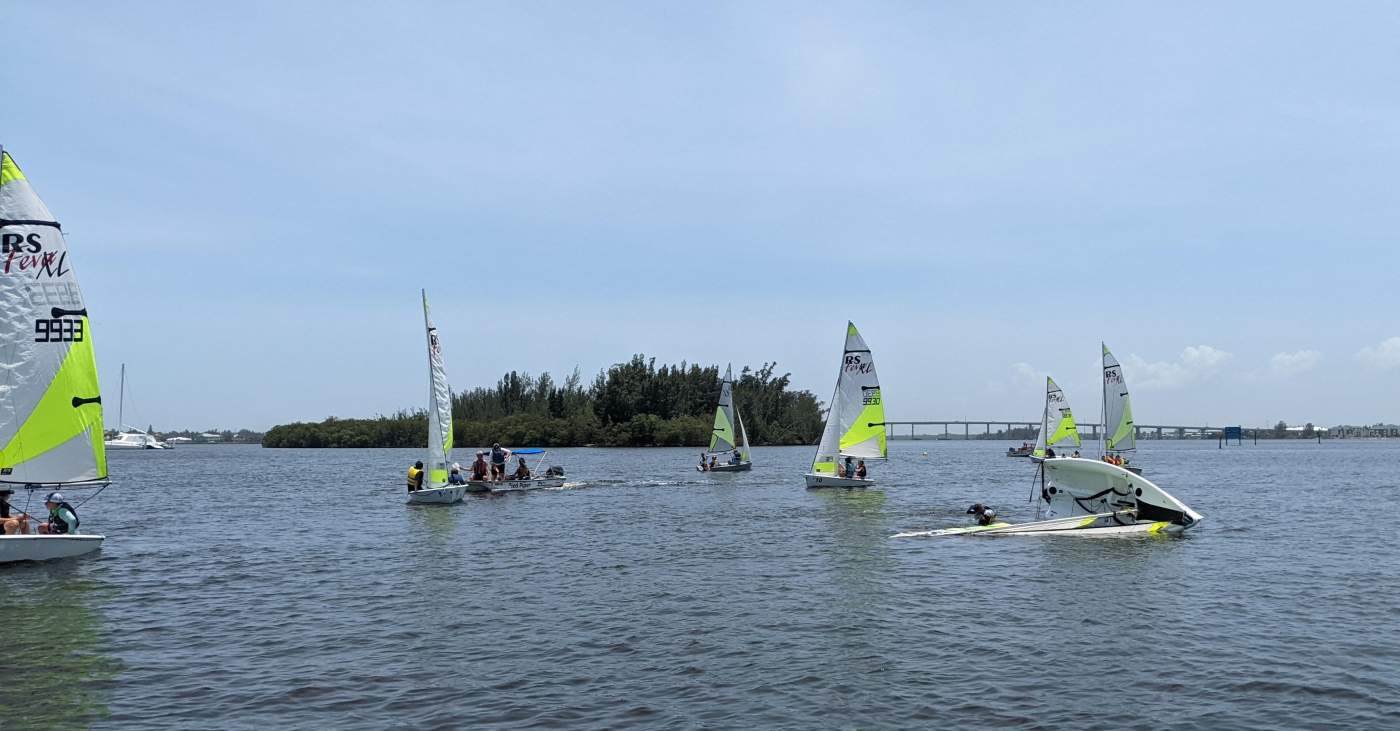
[534, 483]
[815, 481]
[46, 548]
[444, 495]
[741, 467]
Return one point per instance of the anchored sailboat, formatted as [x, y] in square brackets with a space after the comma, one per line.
[130, 437]
[722, 439]
[435, 485]
[50, 403]
[1119, 433]
[1057, 414]
[855, 424]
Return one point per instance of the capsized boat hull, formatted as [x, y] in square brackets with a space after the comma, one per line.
[959, 531]
[534, 483]
[741, 467]
[445, 495]
[817, 481]
[46, 548]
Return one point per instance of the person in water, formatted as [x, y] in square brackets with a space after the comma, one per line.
[479, 467]
[522, 471]
[62, 519]
[455, 477]
[860, 470]
[415, 477]
[983, 514]
[499, 456]
[736, 459]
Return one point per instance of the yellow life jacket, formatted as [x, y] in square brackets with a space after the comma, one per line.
[415, 476]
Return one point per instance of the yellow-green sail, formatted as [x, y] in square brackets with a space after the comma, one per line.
[1057, 427]
[1120, 435]
[51, 406]
[855, 423]
[722, 436]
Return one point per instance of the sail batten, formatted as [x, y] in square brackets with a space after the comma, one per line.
[50, 400]
[1120, 435]
[439, 407]
[855, 422]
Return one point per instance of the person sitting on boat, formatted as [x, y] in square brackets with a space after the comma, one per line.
[860, 470]
[455, 477]
[736, 459]
[499, 455]
[479, 467]
[848, 470]
[1076, 454]
[704, 465]
[415, 477]
[714, 461]
[984, 514]
[1049, 453]
[62, 518]
[522, 471]
[10, 525]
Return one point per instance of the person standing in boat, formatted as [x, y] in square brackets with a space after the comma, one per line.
[499, 456]
[983, 514]
[62, 519]
[415, 477]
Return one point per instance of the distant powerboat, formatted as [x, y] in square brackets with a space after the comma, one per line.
[136, 439]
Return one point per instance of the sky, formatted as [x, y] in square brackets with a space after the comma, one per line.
[254, 193]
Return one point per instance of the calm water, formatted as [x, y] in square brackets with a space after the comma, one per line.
[250, 588]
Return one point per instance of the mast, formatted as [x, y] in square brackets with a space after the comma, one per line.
[1103, 402]
[121, 402]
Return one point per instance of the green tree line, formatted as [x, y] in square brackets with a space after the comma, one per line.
[631, 404]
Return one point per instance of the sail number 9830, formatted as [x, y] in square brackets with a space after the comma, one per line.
[58, 330]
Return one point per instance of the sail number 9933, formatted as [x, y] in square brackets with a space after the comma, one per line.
[58, 330]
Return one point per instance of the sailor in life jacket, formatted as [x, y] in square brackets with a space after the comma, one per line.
[984, 514]
[415, 477]
[62, 518]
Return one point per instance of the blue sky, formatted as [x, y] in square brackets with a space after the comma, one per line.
[255, 193]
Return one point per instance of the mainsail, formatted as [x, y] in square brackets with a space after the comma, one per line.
[722, 437]
[1119, 433]
[1057, 427]
[743, 437]
[855, 424]
[50, 403]
[439, 407]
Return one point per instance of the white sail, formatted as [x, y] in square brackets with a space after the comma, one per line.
[439, 408]
[50, 403]
[1057, 427]
[855, 424]
[722, 437]
[743, 437]
[1120, 435]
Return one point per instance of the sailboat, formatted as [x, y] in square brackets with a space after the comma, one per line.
[1119, 433]
[722, 441]
[436, 488]
[855, 424]
[50, 402]
[1058, 415]
[131, 437]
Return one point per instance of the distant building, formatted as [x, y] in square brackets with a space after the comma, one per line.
[1374, 431]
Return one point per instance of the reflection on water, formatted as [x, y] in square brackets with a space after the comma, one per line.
[52, 675]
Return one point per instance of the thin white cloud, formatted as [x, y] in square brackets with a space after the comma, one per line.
[1384, 355]
[1197, 362]
[1295, 363]
[1024, 374]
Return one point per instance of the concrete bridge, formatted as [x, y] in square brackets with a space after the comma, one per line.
[984, 427]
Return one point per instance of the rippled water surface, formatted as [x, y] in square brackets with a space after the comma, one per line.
[250, 588]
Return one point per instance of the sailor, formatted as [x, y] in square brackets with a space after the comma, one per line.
[984, 514]
[848, 470]
[1076, 454]
[522, 471]
[10, 525]
[455, 477]
[735, 459]
[415, 477]
[499, 455]
[714, 462]
[1049, 453]
[62, 518]
[704, 466]
[860, 470]
[479, 467]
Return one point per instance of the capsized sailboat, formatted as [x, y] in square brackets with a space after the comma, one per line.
[855, 424]
[723, 440]
[1119, 434]
[436, 488]
[50, 403]
[1057, 427]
